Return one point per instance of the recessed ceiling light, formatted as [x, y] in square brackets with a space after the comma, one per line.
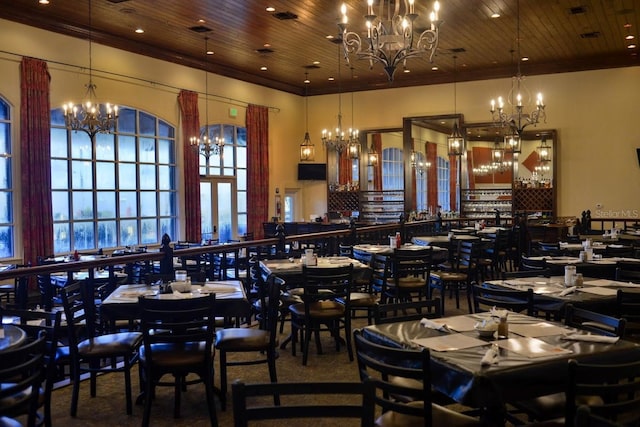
[270, 9]
[406, 70]
[267, 45]
[630, 37]
[139, 30]
[307, 81]
[495, 15]
[329, 37]
[209, 52]
[43, 1]
[331, 79]
[434, 68]
[316, 62]
[525, 59]
[263, 68]
[631, 46]
[201, 21]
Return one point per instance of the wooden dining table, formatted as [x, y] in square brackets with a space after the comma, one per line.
[531, 362]
[599, 267]
[122, 303]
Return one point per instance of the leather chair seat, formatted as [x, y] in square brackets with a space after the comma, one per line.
[242, 339]
[449, 276]
[551, 406]
[110, 344]
[179, 354]
[408, 283]
[362, 299]
[320, 309]
[441, 416]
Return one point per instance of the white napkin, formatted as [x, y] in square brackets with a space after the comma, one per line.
[567, 291]
[428, 323]
[591, 338]
[180, 295]
[492, 356]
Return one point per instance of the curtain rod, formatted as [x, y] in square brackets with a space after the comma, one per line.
[232, 101]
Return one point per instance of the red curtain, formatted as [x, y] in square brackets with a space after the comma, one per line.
[453, 182]
[35, 156]
[257, 169]
[190, 118]
[377, 169]
[432, 176]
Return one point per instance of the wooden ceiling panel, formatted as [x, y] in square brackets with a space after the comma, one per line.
[550, 36]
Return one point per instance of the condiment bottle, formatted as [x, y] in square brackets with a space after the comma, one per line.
[398, 240]
[503, 327]
[579, 280]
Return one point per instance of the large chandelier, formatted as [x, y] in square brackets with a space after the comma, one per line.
[90, 116]
[207, 144]
[390, 38]
[341, 141]
[519, 98]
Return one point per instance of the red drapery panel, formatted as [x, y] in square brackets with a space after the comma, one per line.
[432, 176]
[471, 177]
[257, 169]
[453, 182]
[345, 171]
[35, 156]
[377, 169]
[190, 117]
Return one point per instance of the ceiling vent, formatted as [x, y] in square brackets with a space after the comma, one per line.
[591, 35]
[577, 10]
[200, 29]
[284, 16]
[312, 67]
[457, 50]
[264, 51]
[117, 1]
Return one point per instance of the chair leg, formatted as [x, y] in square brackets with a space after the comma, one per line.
[223, 379]
[148, 399]
[271, 361]
[208, 386]
[177, 395]
[75, 391]
[127, 385]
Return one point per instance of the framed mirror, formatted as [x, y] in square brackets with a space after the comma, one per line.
[432, 175]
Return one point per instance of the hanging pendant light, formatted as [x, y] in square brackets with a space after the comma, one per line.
[455, 141]
[307, 149]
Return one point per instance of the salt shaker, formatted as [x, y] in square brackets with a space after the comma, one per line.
[503, 327]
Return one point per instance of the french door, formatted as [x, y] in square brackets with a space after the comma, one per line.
[218, 206]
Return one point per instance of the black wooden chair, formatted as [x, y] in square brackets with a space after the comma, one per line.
[462, 275]
[263, 341]
[333, 401]
[409, 278]
[88, 350]
[530, 263]
[178, 340]
[394, 372]
[628, 308]
[486, 296]
[56, 356]
[325, 306]
[21, 374]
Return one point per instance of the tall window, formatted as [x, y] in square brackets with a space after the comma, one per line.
[115, 191]
[230, 219]
[392, 169]
[6, 183]
[443, 184]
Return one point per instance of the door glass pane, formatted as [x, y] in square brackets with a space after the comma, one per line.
[205, 210]
[225, 230]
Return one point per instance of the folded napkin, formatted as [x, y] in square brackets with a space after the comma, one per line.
[567, 291]
[219, 288]
[591, 338]
[492, 356]
[428, 323]
[180, 295]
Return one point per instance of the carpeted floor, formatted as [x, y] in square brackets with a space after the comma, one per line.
[108, 408]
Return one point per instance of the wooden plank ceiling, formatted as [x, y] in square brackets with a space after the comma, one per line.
[556, 35]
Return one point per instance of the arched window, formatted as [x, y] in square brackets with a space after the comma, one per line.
[117, 190]
[7, 227]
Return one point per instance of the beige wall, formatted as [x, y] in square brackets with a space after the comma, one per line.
[594, 112]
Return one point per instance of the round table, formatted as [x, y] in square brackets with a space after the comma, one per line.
[12, 336]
